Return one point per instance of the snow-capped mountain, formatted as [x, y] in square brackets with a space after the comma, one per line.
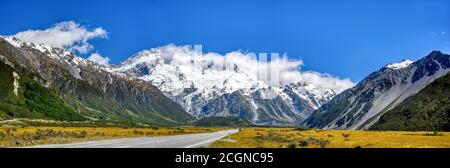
[79, 89]
[214, 85]
[59, 54]
[361, 106]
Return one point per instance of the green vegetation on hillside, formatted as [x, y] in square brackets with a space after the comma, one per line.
[428, 110]
[32, 99]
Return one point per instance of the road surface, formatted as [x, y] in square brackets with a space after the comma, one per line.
[175, 141]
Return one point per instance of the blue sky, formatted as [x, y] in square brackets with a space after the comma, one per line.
[348, 39]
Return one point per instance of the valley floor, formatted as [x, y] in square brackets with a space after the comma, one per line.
[245, 138]
[27, 136]
[299, 138]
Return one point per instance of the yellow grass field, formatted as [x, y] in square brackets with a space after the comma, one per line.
[18, 136]
[297, 138]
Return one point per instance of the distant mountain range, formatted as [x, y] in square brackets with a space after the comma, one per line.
[207, 87]
[156, 87]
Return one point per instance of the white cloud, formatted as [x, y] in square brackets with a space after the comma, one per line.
[68, 34]
[97, 58]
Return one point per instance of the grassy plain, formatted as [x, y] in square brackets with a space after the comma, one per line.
[23, 136]
[301, 138]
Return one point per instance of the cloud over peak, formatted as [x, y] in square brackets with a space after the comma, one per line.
[67, 34]
[97, 58]
[240, 68]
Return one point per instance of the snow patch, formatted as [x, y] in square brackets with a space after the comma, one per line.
[13, 41]
[16, 83]
[402, 64]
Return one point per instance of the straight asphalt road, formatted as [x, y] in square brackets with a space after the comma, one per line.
[175, 141]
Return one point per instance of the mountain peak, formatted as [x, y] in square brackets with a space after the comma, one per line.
[435, 52]
[399, 65]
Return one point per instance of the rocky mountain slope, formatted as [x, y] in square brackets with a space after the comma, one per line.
[428, 110]
[361, 106]
[75, 88]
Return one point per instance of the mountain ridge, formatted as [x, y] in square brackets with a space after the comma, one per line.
[362, 105]
[90, 88]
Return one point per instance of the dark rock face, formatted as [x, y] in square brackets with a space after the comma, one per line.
[233, 104]
[300, 104]
[141, 70]
[430, 64]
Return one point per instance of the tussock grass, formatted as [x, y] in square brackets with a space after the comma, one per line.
[24, 136]
[295, 138]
